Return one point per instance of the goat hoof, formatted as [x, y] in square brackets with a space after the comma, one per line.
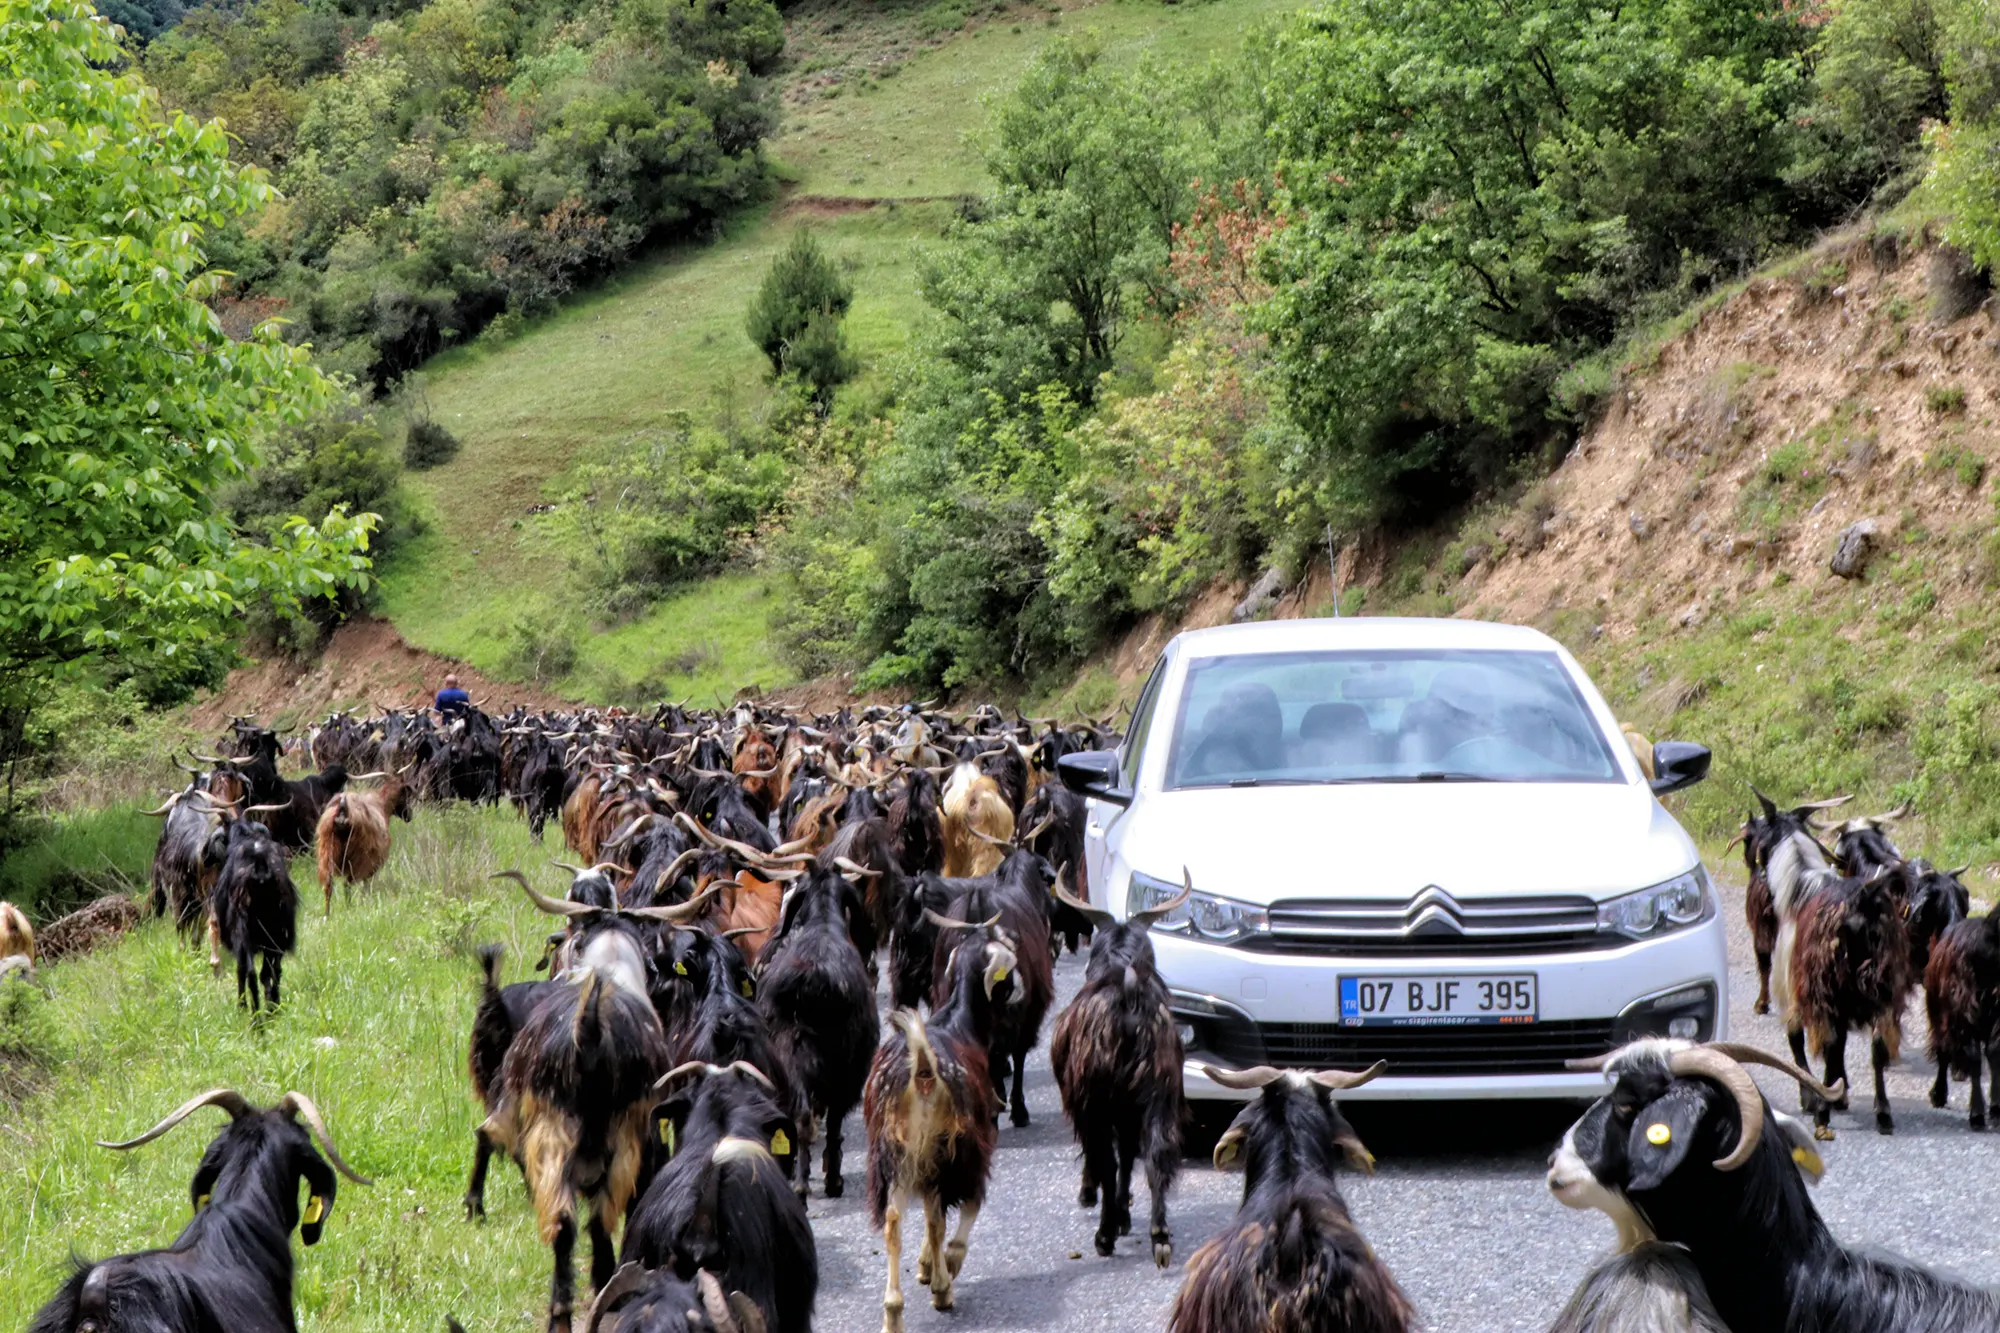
[475, 1211]
[1163, 1251]
[1107, 1244]
[1884, 1125]
[954, 1258]
[941, 1298]
[833, 1187]
[1977, 1124]
[1938, 1099]
[1020, 1117]
[923, 1270]
[1087, 1197]
[1823, 1133]
[1761, 1007]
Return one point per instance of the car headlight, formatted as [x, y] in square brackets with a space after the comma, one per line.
[1204, 916]
[1682, 901]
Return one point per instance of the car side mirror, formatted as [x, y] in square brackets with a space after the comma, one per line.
[1678, 764]
[1094, 773]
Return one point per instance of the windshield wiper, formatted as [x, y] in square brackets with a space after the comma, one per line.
[1438, 775]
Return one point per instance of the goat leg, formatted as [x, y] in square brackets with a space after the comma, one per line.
[603, 1254]
[214, 946]
[1809, 1101]
[830, 1162]
[1162, 1159]
[475, 1189]
[1020, 1112]
[1993, 1068]
[1833, 1058]
[892, 1247]
[274, 976]
[562, 1283]
[954, 1253]
[246, 980]
[1128, 1149]
[1941, 1088]
[1763, 1004]
[1978, 1117]
[1086, 1197]
[1100, 1162]
[1879, 1054]
[941, 1271]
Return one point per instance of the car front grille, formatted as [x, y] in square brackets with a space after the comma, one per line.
[1527, 1048]
[1432, 923]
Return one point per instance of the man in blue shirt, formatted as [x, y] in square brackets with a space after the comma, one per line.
[451, 700]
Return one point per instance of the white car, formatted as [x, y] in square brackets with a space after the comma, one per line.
[1420, 841]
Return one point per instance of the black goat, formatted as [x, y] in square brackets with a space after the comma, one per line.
[1117, 1058]
[1962, 1001]
[916, 823]
[1018, 896]
[231, 1267]
[913, 942]
[502, 1012]
[1292, 1258]
[1651, 1288]
[576, 1085]
[254, 911]
[644, 1300]
[722, 1202]
[820, 1004]
[1937, 901]
[1055, 815]
[928, 1105]
[185, 860]
[1681, 1139]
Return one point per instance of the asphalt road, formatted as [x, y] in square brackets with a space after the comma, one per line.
[1457, 1207]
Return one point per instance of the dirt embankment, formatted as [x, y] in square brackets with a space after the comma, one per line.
[366, 661]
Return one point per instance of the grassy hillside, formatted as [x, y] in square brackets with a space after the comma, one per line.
[668, 336]
[377, 1006]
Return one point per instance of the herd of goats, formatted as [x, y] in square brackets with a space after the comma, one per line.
[710, 1015]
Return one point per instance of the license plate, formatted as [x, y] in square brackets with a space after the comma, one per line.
[1458, 1000]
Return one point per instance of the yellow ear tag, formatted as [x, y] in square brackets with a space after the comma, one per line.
[1809, 1162]
[315, 1210]
[680, 968]
[1000, 975]
[667, 1134]
[748, 991]
[781, 1144]
[1659, 1135]
[202, 1202]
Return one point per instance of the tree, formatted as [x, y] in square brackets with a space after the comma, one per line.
[123, 408]
[795, 317]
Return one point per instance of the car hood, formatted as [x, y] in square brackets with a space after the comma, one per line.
[1391, 840]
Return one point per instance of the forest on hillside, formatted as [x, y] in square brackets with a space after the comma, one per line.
[1377, 261]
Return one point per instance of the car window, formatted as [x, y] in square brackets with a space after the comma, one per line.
[1133, 751]
[1385, 716]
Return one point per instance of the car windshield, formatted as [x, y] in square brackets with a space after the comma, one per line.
[1425, 716]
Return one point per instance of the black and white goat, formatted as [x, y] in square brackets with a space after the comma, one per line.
[1292, 1258]
[1117, 1059]
[1017, 894]
[723, 1203]
[1680, 1143]
[231, 1266]
[648, 1300]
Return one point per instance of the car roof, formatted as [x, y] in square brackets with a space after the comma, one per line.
[1362, 632]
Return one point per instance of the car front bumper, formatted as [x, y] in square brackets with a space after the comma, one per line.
[1245, 1007]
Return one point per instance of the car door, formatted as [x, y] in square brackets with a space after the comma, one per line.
[1103, 820]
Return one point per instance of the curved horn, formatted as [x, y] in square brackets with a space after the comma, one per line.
[705, 1069]
[1148, 916]
[172, 801]
[848, 867]
[1097, 916]
[260, 809]
[299, 1102]
[746, 1067]
[1240, 1079]
[228, 1099]
[629, 1278]
[679, 863]
[210, 758]
[714, 1303]
[1337, 1079]
[1035, 832]
[1744, 1054]
[739, 932]
[1709, 1062]
[983, 836]
[368, 777]
[552, 906]
[679, 912]
[947, 923]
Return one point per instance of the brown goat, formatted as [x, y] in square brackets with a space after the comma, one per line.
[1962, 1001]
[353, 836]
[974, 805]
[17, 937]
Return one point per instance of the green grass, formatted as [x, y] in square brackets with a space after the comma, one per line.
[912, 134]
[378, 1003]
[77, 858]
[667, 336]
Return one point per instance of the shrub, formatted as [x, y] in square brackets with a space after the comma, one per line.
[1945, 400]
[428, 444]
[541, 645]
[795, 317]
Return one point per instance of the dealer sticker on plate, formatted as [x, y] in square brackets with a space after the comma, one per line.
[1441, 1000]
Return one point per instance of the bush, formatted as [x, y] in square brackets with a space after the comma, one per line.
[541, 645]
[795, 317]
[428, 444]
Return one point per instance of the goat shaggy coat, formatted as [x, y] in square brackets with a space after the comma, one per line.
[1962, 1000]
[974, 804]
[352, 841]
